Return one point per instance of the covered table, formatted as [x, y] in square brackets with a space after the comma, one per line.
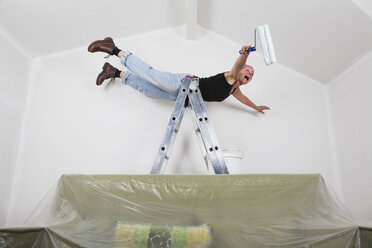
[189, 211]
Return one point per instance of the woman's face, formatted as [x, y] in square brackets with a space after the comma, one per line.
[246, 74]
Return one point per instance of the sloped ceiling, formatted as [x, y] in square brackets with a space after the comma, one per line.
[317, 38]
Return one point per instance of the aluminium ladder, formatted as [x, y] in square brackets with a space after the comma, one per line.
[190, 94]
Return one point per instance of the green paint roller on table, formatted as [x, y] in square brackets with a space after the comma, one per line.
[155, 236]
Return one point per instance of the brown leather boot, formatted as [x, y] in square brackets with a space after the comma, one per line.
[108, 71]
[106, 45]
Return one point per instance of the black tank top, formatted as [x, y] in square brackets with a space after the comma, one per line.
[215, 88]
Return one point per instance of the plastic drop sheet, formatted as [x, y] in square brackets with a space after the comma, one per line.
[189, 211]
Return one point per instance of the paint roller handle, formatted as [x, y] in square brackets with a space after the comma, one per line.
[251, 49]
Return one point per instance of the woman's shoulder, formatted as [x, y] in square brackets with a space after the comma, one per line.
[229, 78]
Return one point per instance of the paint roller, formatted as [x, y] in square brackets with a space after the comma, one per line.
[263, 36]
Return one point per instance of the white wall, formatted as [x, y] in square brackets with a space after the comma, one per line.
[350, 98]
[14, 71]
[73, 126]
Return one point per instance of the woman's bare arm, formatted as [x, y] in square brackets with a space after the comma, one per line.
[238, 94]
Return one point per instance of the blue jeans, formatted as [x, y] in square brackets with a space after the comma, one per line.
[148, 81]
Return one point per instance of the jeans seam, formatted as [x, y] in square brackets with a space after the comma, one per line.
[124, 57]
[125, 77]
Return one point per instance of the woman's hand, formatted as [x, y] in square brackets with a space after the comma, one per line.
[244, 50]
[262, 108]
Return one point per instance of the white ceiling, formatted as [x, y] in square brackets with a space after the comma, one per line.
[47, 26]
[318, 38]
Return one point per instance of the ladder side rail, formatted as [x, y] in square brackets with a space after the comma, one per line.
[171, 131]
[199, 138]
[213, 148]
[212, 133]
[210, 146]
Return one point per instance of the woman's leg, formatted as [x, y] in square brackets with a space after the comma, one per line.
[169, 82]
[145, 87]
